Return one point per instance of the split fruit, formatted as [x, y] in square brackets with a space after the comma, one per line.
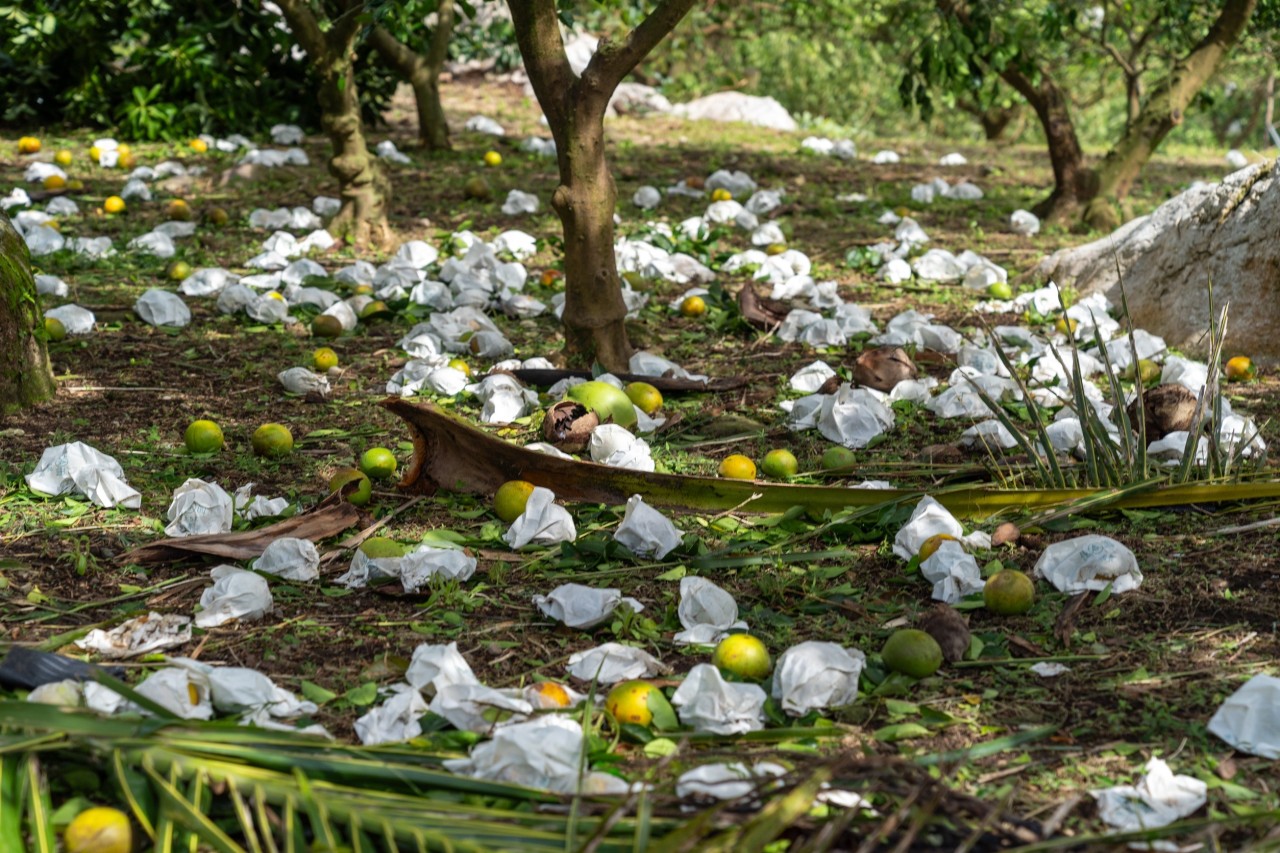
[693, 306]
[326, 326]
[629, 702]
[647, 398]
[99, 830]
[607, 401]
[381, 547]
[273, 440]
[1009, 592]
[737, 467]
[324, 358]
[203, 436]
[912, 652]
[510, 499]
[744, 656]
[931, 545]
[363, 490]
[379, 463]
[1240, 369]
[54, 329]
[779, 464]
[113, 204]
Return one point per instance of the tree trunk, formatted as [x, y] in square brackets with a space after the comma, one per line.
[1163, 111]
[423, 74]
[995, 121]
[25, 377]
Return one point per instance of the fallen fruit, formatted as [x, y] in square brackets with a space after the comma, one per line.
[744, 656]
[272, 440]
[550, 277]
[932, 543]
[693, 306]
[374, 309]
[721, 194]
[326, 326]
[363, 492]
[324, 358]
[1009, 592]
[379, 463]
[912, 652]
[113, 204]
[54, 329]
[1067, 325]
[178, 270]
[198, 145]
[838, 459]
[217, 216]
[28, 145]
[775, 248]
[460, 366]
[1000, 290]
[203, 437]
[178, 209]
[645, 396]
[554, 694]
[492, 158]
[737, 467]
[1240, 369]
[607, 401]
[99, 830]
[628, 702]
[779, 464]
[63, 157]
[55, 182]
[380, 547]
[510, 499]
[477, 188]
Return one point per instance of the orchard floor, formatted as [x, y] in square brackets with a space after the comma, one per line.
[1148, 668]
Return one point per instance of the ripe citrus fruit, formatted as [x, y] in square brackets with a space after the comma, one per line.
[379, 463]
[373, 309]
[113, 204]
[1240, 369]
[839, 459]
[363, 491]
[54, 329]
[607, 401]
[693, 306]
[912, 652]
[1067, 325]
[276, 295]
[362, 290]
[1148, 370]
[460, 366]
[644, 395]
[552, 694]
[203, 437]
[326, 326]
[1009, 593]
[737, 467]
[95, 154]
[380, 547]
[744, 656]
[272, 440]
[779, 464]
[492, 158]
[198, 145]
[550, 277]
[99, 830]
[628, 702]
[63, 157]
[55, 182]
[28, 145]
[510, 499]
[124, 150]
[178, 209]
[178, 270]
[721, 194]
[324, 358]
[127, 160]
[1000, 290]
[932, 544]
[775, 248]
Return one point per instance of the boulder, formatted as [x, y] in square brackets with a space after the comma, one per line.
[735, 106]
[1222, 233]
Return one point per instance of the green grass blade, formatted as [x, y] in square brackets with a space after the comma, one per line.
[986, 748]
[39, 809]
[12, 802]
[178, 810]
[131, 786]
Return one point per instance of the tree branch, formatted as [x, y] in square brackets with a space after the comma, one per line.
[394, 52]
[612, 62]
[538, 33]
[438, 49]
[306, 29]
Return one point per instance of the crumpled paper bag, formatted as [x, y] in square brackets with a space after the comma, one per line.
[814, 675]
[852, 417]
[300, 380]
[235, 594]
[477, 708]
[520, 202]
[706, 611]
[809, 379]
[617, 447]
[199, 508]
[645, 531]
[1249, 719]
[77, 468]
[180, 690]
[438, 666]
[240, 690]
[579, 606]
[256, 506]
[1089, 563]
[614, 662]
[708, 703]
[953, 572]
[543, 522]
[291, 559]
[544, 753]
[1157, 800]
[422, 564]
[394, 721]
[63, 694]
[139, 636]
[76, 320]
[928, 519]
[161, 308]
[727, 781]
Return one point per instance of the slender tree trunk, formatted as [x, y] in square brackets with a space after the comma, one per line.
[25, 377]
[422, 72]
[995, 121]
[1163, 111]
[1269, 115]
[362, 183]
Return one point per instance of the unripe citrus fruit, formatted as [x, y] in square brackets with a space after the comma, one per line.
[203, 437]
[780, 464]
[644, 395]
[324, 358]
[744, 656]
[363, 492]
[460, 366]
[492, 158]
[737, 467]
[113, 204]
[1240, 369]
[55, 182]
[628, 702]
[75, 184]
[379, 463]
[1148, 370]
[99, 830]
[1000, 290]
[273, 440]
[373, 309]
[912, 652]
[54, 329]
[931, 545]
[693, 306]
[178, 209]
[510, 499]
[477, 188]
[839, 459]
[607, 401]
[381, 547]
[1009, 592]
[326, 326]
[178, 270]
[217, 216]
[775, 248]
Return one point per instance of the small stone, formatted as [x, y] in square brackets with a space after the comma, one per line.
[1005, 533]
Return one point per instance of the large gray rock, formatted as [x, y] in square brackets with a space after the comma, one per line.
[735, 106]
[1227, 233]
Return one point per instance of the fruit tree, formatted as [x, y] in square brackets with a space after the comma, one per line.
[25, 377]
